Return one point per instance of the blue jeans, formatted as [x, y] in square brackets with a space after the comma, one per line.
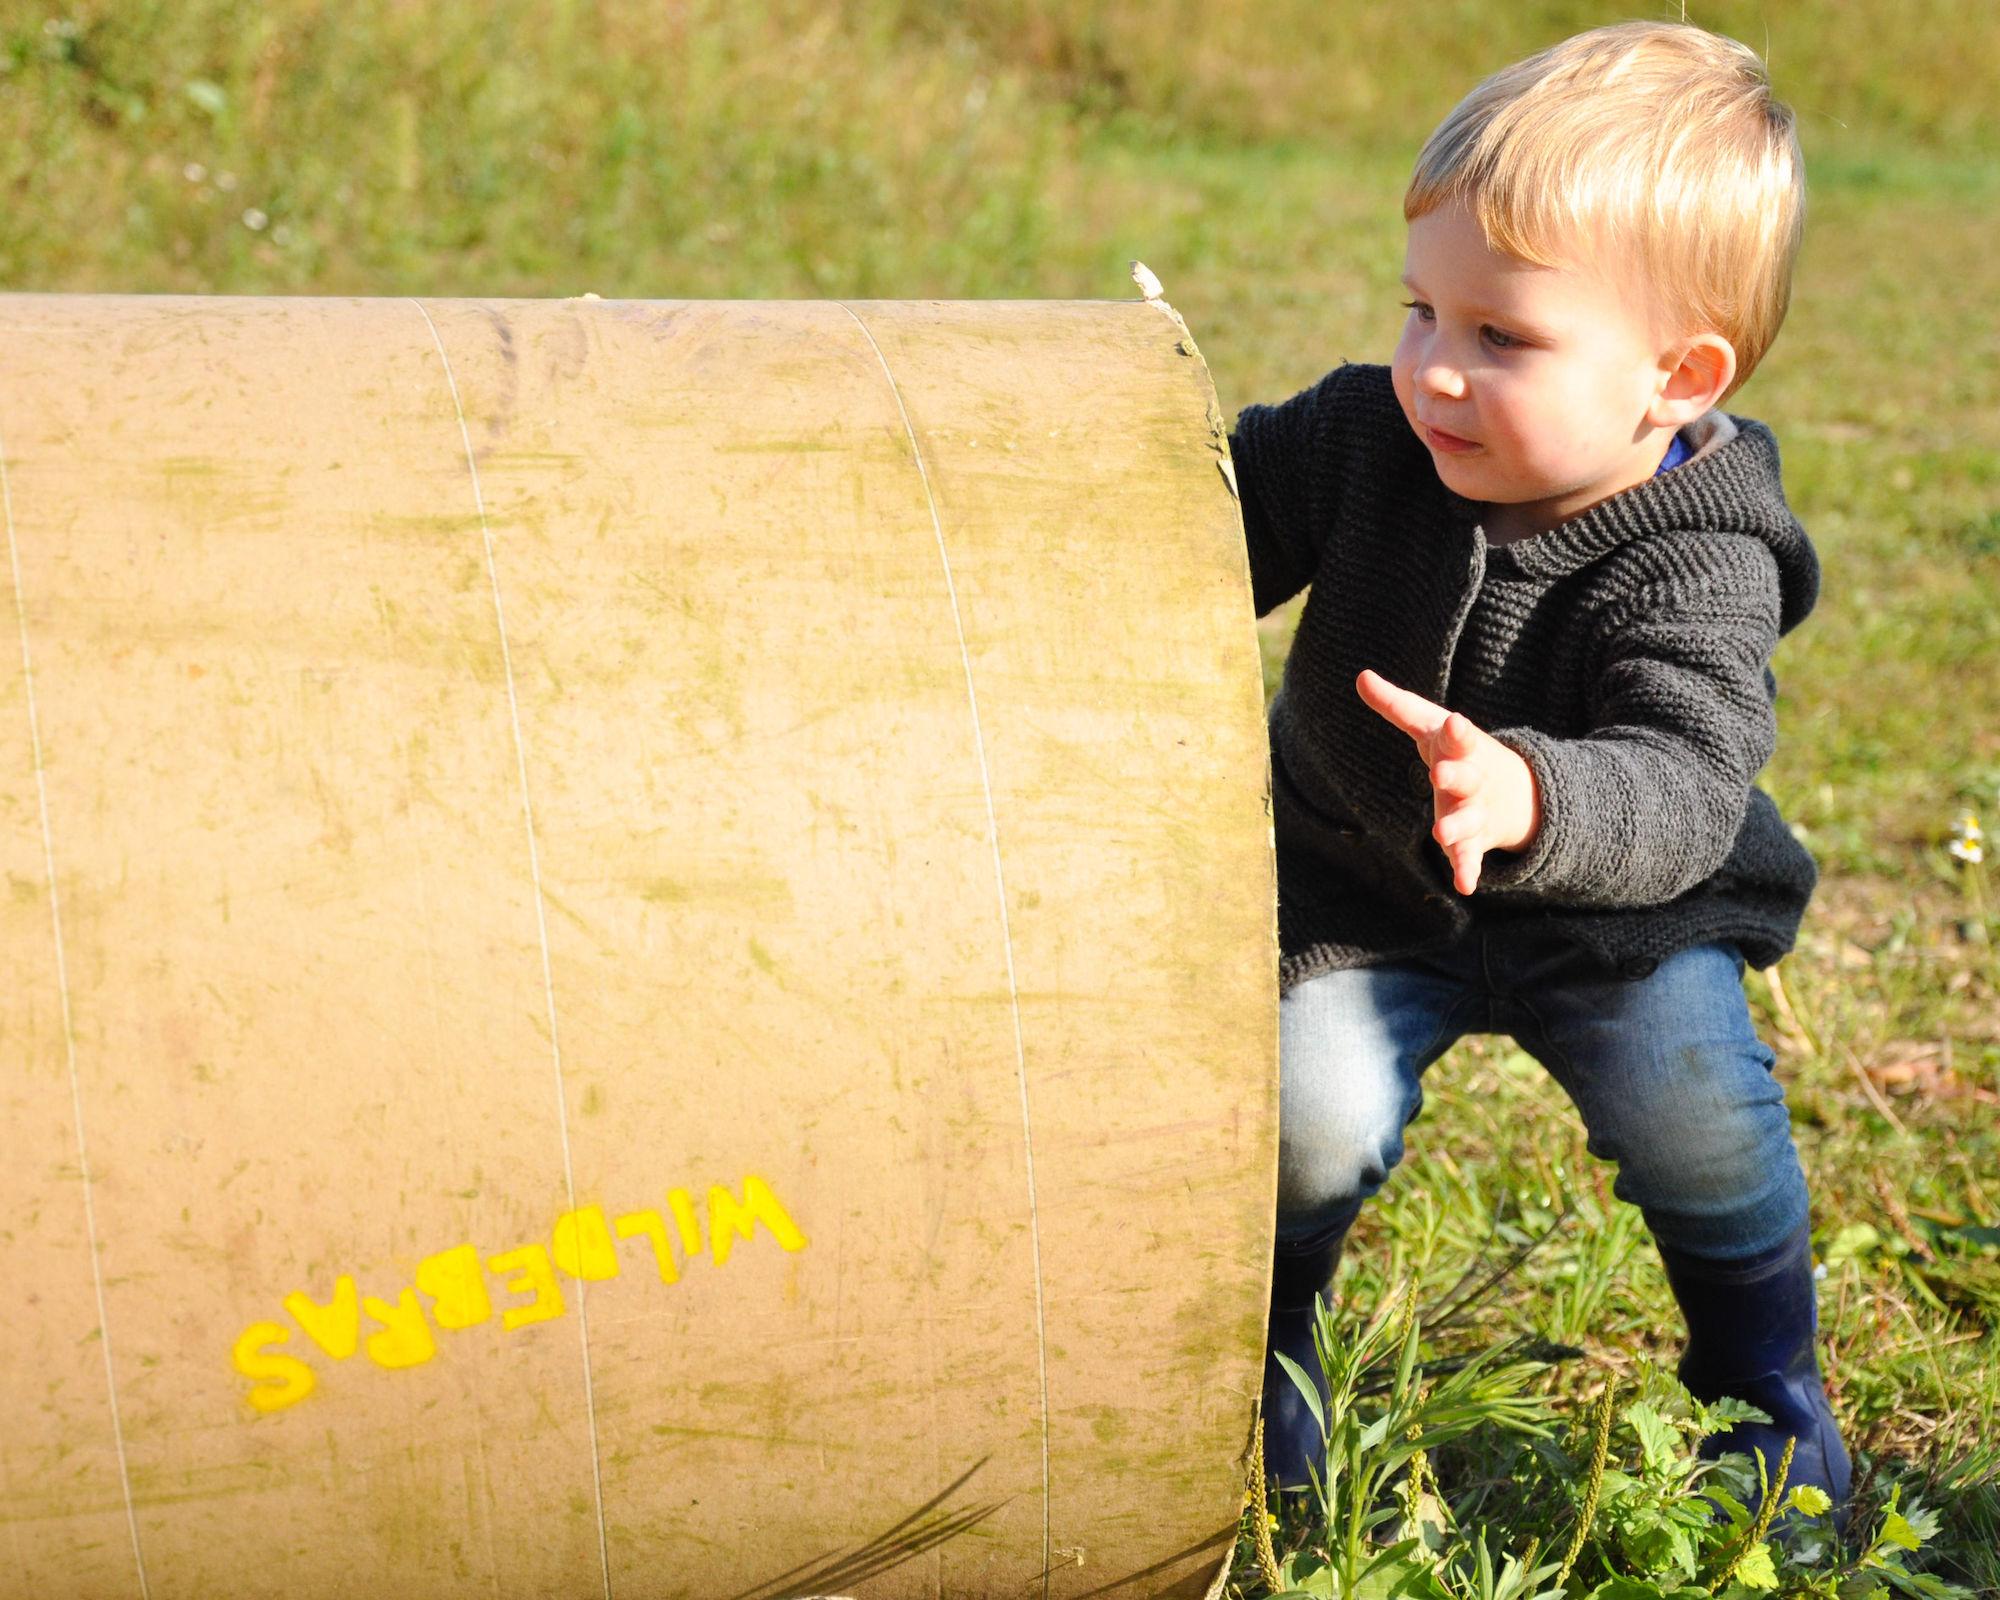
[1670, 1077]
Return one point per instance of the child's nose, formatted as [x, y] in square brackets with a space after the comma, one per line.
[1441, 378]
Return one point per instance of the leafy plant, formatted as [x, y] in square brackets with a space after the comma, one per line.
[1631, 1512]
[1382, 1418]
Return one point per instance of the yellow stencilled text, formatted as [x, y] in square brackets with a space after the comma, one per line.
[459, 1295]
[456, 1286]
[282, 1380]
[405, 1339]
[649, 1223]
[532, 1276]
[335, 1328]
[726, 1217]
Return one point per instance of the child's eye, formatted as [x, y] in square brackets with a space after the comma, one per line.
[1499, 338]
[1424, 312]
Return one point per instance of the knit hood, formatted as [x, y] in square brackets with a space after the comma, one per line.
[1730, 485]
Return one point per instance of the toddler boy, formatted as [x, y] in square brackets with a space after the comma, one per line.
[1512, 759]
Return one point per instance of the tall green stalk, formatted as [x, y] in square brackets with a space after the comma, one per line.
[1375, 1430]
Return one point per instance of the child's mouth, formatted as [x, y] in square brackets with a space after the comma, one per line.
[1449, 443]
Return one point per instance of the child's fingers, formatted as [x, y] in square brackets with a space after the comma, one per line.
[1457, 738]
[1459, 779]
[1462, 832]
[1415, 715]
[1458, 825]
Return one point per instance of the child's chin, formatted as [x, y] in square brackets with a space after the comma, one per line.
[1465, 476]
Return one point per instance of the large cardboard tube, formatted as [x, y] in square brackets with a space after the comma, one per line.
[639, 952]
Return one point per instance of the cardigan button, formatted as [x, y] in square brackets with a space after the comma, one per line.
[1420, 777]
[1638, 967]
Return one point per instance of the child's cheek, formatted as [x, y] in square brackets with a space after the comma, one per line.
[1527, 442]
[1403, 376]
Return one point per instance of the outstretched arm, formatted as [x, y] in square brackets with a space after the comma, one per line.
[1649, 800]
[1485, 796]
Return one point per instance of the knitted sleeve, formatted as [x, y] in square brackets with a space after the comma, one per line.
[1648, 803]
[1287, 473]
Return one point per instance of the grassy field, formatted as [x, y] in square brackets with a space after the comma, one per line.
[1254, 157]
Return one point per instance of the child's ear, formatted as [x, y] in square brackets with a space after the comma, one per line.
[1695, 377]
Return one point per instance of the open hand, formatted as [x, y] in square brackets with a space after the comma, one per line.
[1484, 794]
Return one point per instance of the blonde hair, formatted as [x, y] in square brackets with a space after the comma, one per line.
[1654, 143]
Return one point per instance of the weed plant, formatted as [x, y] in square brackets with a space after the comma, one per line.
[1443, 1478]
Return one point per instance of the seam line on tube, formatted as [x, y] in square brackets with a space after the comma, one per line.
[541, 928]
[1006, 931]
[69, 1027]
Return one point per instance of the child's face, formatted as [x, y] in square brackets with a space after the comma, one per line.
[1535, 388]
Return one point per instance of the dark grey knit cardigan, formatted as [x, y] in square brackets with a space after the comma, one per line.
[1625, 656]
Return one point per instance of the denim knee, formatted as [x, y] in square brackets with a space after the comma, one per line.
[1676, 1087]
[1726, 1184]
[1351, 1048]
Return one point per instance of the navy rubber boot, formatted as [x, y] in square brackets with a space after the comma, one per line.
[1752, 1331]
[1294, 1446]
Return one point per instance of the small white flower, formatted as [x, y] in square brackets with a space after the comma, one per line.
[255, 220]
[1965, 844]
[1148, 282]
[194, 172]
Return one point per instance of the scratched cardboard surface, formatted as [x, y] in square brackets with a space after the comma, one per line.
[643, 935]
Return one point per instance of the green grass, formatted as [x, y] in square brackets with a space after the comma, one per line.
[1253, 155]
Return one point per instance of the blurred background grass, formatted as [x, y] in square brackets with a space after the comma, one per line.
[1254, 156]
[764, 147]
